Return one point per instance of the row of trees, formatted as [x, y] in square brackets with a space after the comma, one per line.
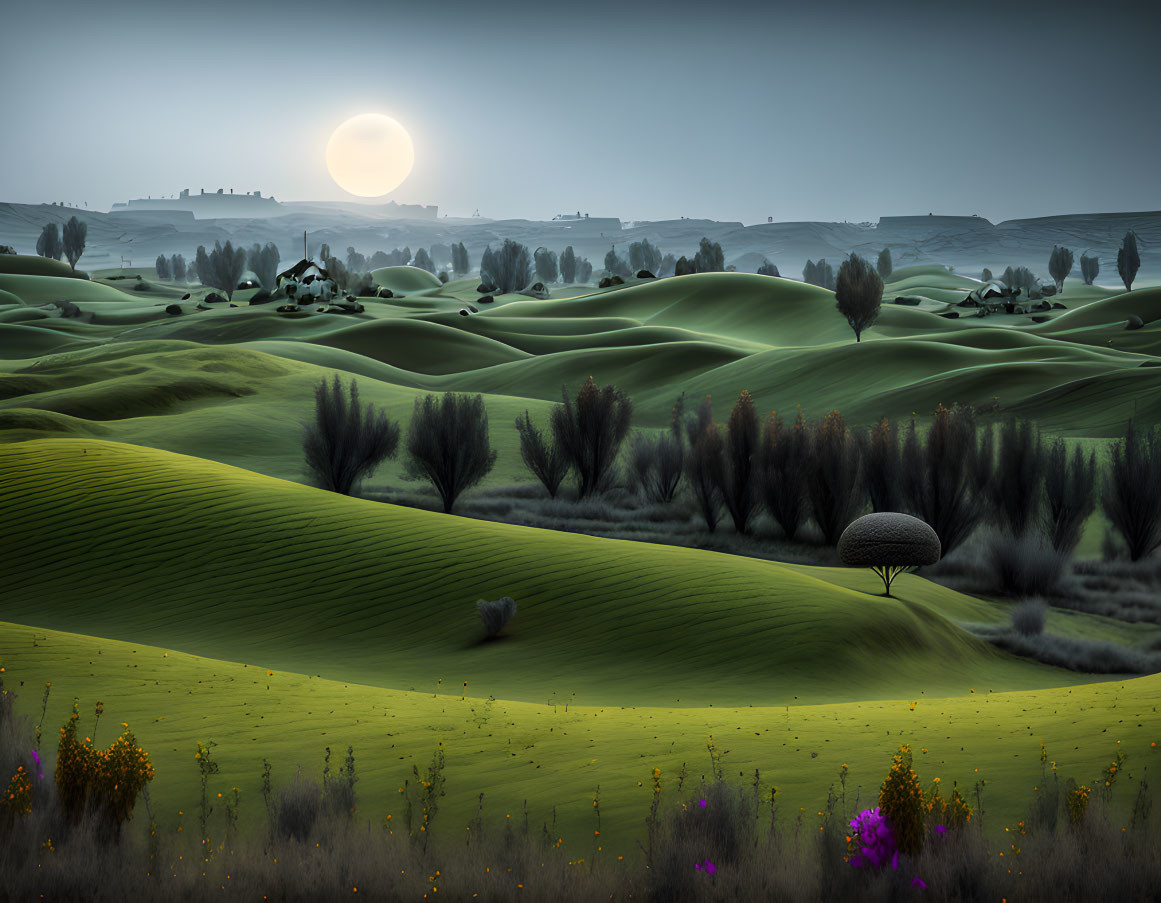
[68, 241]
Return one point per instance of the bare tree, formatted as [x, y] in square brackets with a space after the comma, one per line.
[590, 432]
[1060, 265]
[1128, 260]
[541, 455]
[1132, 494]
[1070, 495]
[833, 477]
[784, 459]
[705, 464]
[347, 439]
[739, 486]
[448, 444]
[49, 243]
[73, 239]
[263, 263]
[858, 294]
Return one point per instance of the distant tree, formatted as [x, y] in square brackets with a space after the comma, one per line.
[986, 275]
[1069, 493]
[784, 458]
[402, 256]
[202, 266]
[584, 270]
[820, 274]
[709, 257]
[442, 276]
[338, 272]
[683, 267]
[49, 243]
[262, 261]
[177, 267]
[347, 440]
[590, 432]
[884, 264]
[460, 263]
[547, 270]
[1090, 268]
[833, 476]
[161, 265]
[324, 252]
[668, 265]
[75, 231]
[423, 260]
[1128, 260]
[356, 262]
[858, 294]
[509, 268]
[644, 256]
[543, 456]
[568, 265]
[1020, 279]
[615, 265]
[740, 484]
[379, 260]
[768, 269]
[448, 444]
[1059, 265]
[221, 268]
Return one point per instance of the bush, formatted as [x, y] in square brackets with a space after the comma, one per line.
[1024, 565]
[785, 457]
[296, 810]
[656, 464]
[544, 458]
[901, 803]
[1028, 617]
[833, 477]
[590, 432]
[448, 444]
[496, 614]
[339, 797]
[1132, 494]
[347, 440]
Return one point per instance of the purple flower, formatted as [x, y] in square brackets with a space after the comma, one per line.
[873, 841]
[708, 867]
[39, 769]
[701, 803]
[919, 883]
[941, 829]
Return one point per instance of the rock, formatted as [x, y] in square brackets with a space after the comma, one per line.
[610, 281]
[1134, 322]
[185, 297]
[950, 315]
[487, 299]
[1041, 319]
[213, 298]
[968, 302]
[486, 288]
[1056, 305]
[261, 297]
[473, 309]
[464, 313]
[288, 309]
[645, 274]
[173, 309]
[247, 283]
[384, 293]
[909, 302]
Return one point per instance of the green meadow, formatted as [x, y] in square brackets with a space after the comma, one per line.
[167, 556]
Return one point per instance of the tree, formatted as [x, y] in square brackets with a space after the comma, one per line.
[1090, 268]
[73, 240]
[423, 260]
[739, 486]
[448, 444]
[986, 275]
[784, 459]
[509, 268]
[833, 477]
[1069, 493]
[1128, 259]
[161, 265]
[1059, 265]
[858, 294]
[709, 257]
[882, 467]
[379, 260]
[584, 270]
[590, 432]
[820, 274]
[1016, 485]
[202, 266]
[768, 269]
[177, 267]
[568, 265]
[644, 256]
[668, 265]
[1132, 493]
[705, 472]
[884, 264]
[889, 543]
[324, 251]
[939, 476]
[460, 263]
[546, 266]
[544, 457]
[348, 439]
[1020, 279]
[49, 243]
[338, 272]
[683, 267]
[221, 268]
[263, 263]
[356, 262]
[615, 266]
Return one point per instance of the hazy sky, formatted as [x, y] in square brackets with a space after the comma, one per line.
[725, 110]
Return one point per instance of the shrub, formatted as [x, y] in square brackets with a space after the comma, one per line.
[1024, 565]
[590, 432]
[656, 464]
[1069, 493]
[448, 444]
[833, 477]
[347, 440]
[1132, 494]
[901, 803]
[338, 794]
[496, 613]
[785, 457]
[546, 459]
[739, 486]
[858, 294]
[1029, 616]
[296, 809]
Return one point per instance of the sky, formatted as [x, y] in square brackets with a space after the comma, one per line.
[834, 110]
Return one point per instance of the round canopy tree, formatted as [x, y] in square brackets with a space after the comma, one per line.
[889, 544]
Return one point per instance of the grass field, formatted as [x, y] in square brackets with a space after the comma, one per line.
[165, 552]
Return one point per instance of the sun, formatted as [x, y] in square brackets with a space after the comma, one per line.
[370, 155]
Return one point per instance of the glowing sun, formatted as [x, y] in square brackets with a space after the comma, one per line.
[370, 155]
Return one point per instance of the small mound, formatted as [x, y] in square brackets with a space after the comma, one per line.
[25, 265]
[403, 280]
[421, 346]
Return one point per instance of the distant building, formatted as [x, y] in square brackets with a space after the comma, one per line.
[216, 205]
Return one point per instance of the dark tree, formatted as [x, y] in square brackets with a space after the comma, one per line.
[202, 266]
[1070, 495]
[858, 294]
[1090, 268]
[544, 457]
[644, 256]
[1060, 265]
[224, 267]
[740, 483]
[986, 275]
[939, 478]
[882, 467]
[338, 272]
[161, 265]
[884, 264]
[49, 243]
[615, 266]
[584, 270]
[1128, 260]
[833, 478]
[73, 240]
[1020, 279]
[1132, 494]
[709, 257]
[705, 464]
[348, 439]
[324, 252]
[683, 267]
[263, 263]
[423, 260]
[590, 432]
[785, 456]
[768, 269]
[379, 260]
[546, 267]
[509, 268]
[656, 463]
[568, 265]
[1016, 486]
[820, 274]
[460, 262]
[356, 262]
[668, 265]
[448, 444]
[177, 267]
